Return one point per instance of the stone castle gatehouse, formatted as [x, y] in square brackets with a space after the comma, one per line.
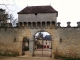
[32, 19]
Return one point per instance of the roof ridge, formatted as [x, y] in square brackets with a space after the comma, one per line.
[38, 9]
[41, 5]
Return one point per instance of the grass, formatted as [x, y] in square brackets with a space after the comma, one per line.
[7, 54]
[71, 59]
[66, 58]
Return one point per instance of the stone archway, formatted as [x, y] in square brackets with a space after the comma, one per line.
[25, 45]
[42, 44]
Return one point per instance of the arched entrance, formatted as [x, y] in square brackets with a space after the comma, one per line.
[25, 45]
[42, 44]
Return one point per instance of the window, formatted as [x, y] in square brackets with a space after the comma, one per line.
[35, 13]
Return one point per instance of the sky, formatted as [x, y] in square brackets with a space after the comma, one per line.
[68, 10]
[44, 34]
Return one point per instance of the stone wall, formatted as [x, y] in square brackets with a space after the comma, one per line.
[7, 43]
[69, 45]
[11, 40]
[39, 17]
[65, 41]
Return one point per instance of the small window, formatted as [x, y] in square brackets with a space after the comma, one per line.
[60, 40]
[35, 13]
[15, 39]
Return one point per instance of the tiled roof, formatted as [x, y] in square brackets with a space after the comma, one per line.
[37, 9]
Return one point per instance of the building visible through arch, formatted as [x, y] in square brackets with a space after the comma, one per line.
[42, 44]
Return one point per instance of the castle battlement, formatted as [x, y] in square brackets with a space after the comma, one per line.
[34, 25]
[68, 25]
[48, 24]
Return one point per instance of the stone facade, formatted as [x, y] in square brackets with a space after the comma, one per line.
[70, 42]
[65, 40]
[7, 38]
[40, 17]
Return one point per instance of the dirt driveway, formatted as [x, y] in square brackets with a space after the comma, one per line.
[26, 58]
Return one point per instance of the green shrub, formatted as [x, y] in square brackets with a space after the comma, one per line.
[8, 54]
[65, 58]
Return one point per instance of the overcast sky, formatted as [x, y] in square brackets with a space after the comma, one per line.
[68, 10]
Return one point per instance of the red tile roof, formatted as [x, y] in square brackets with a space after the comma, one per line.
[37, 9]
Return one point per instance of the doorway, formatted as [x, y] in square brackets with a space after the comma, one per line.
[42, 44]
[25, 45]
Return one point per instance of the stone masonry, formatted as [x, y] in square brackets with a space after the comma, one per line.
[65, 40]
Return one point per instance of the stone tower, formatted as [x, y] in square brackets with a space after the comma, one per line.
[38, 17]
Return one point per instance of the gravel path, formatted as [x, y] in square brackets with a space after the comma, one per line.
[26, 58]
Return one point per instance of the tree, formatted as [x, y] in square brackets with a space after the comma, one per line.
[3, 17]
[40, 36]
[13, 20]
